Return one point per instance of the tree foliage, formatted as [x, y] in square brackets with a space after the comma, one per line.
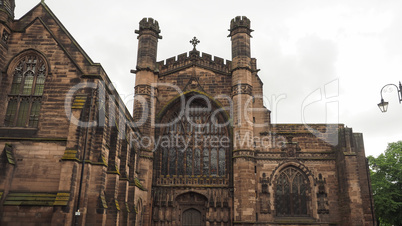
[386, 181]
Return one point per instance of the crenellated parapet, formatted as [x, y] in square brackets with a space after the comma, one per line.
[240, 24]
[194, 58]
[149, 24]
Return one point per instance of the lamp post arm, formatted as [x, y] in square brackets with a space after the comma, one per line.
[398, 89]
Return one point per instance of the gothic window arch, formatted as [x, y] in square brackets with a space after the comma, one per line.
[194, 143]
[29, 72]
[291, 193]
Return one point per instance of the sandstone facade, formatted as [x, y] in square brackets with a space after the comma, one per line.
[69, 150]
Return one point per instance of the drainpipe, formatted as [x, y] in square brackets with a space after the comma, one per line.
[370, 193]
[77, 213]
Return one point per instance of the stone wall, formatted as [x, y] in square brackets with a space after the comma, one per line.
[41, 178]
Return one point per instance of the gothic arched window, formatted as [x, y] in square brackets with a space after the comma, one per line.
[194, 142]
[24, 99]
[291, 193]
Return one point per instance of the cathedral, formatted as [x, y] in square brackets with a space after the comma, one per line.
[199, 148]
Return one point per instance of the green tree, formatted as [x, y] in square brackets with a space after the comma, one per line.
[386, 181]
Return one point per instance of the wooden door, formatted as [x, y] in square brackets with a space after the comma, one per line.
[192, 217]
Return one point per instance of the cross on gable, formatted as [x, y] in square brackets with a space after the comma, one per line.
[194, 42]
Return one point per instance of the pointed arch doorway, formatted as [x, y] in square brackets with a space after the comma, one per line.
[192, 209]
[192, 217]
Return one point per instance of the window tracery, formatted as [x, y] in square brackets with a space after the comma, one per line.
[291, 193]
[194, 144]
[26, 92]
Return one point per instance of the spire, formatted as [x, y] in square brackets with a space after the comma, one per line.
[8, 6]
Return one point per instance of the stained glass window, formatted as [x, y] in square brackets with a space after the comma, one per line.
[291, 193]
[189, 162]
[172, 161]
[165, 161]
[180, 162]
[27, 87]
[40, 81]
[205, 162]
[34, 117]
[11, 111]
[29, 78]
[23, 113]
[194, 141]
[222, 160]
[197, 160]
[15, 88]
[214, 162]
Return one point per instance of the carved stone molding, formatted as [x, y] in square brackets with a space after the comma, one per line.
[242, 89]
[143, 90]
[265, 202]
[290, 149]
[322, 200]
[5, 36]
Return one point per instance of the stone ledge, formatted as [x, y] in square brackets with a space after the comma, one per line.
[14, 132]
[37, 199]
[56, 139]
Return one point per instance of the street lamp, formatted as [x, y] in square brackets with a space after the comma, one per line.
[384, 105]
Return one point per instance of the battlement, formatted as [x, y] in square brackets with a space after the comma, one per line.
[185, 60]
[240, 24]
[149, 24]
[240, 21]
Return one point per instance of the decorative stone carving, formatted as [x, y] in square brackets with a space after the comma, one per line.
[193, 84]
[5, 36]
[143, 90]
[242, 89]
[194, 56]
[290, 149]
[265, 203]
[322, 199]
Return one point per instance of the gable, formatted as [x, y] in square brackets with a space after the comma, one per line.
[60, 34]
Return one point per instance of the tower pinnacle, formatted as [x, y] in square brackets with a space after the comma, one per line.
[149, 24]
[240, 24]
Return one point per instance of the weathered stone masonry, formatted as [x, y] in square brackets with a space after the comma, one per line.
[260, 173]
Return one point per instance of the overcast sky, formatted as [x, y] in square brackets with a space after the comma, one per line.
[321, 61]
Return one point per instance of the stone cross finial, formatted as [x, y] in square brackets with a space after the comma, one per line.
[194, 42]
